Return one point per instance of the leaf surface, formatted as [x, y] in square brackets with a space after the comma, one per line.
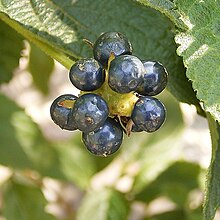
[181, 177]
[200, 47]
[24, 202]
[212, 194]
[41, 67]
[106, 204]
[10, 50]
[59, 27]
[11, 152]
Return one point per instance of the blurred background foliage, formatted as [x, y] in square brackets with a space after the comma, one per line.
[47, 173]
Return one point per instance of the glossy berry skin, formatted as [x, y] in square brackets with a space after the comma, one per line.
[110, 42]
[135, 128]
[125, 73]
[106, 140]
[148, 114]
[87, 74]
[90, 112]
[61, 111]
[154, 79]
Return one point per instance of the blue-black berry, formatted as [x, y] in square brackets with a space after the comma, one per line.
[104, 141]
[61, 111]
[110, 42]
[116, 78]
[90, 112]
[154, 79]
[87, 74]
[125, 74]
[148, 114]
[135, 128]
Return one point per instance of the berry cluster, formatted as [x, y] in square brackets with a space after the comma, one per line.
[116, 95]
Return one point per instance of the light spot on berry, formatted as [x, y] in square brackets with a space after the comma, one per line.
[89, 120]
[105, 154]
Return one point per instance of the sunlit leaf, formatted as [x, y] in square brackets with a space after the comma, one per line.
[106, 204]
[58, 28]
[199, 47]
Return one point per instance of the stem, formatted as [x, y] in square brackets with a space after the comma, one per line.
[88, 43]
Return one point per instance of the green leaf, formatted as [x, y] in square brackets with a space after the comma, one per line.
[24, 202]
[35, 146]
[179, 214]
[45, 46]
[106, 204]
[75, 161]
[40, 67]
[181, 177]
[212, 195]
[200, 48]
[168, 8]
[11, 152]
[102, 162]
[58, 27]
[24, 147]
[171, 215]
[10, 50]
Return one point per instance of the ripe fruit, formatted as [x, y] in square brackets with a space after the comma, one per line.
[110, 42]
[135, 128]
[104, 141]
[148, 114]
[116, 90]
[154, 79]
[125, 73]
[61, 111]
[87, 75]
[90, 112]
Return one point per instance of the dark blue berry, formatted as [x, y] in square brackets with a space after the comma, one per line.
[61, 111]
[106, 140]
[125, 73]
[135, 128]
[154, 79]
[87, 75]
[90, 112]
[110, 42]
[148, 114]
